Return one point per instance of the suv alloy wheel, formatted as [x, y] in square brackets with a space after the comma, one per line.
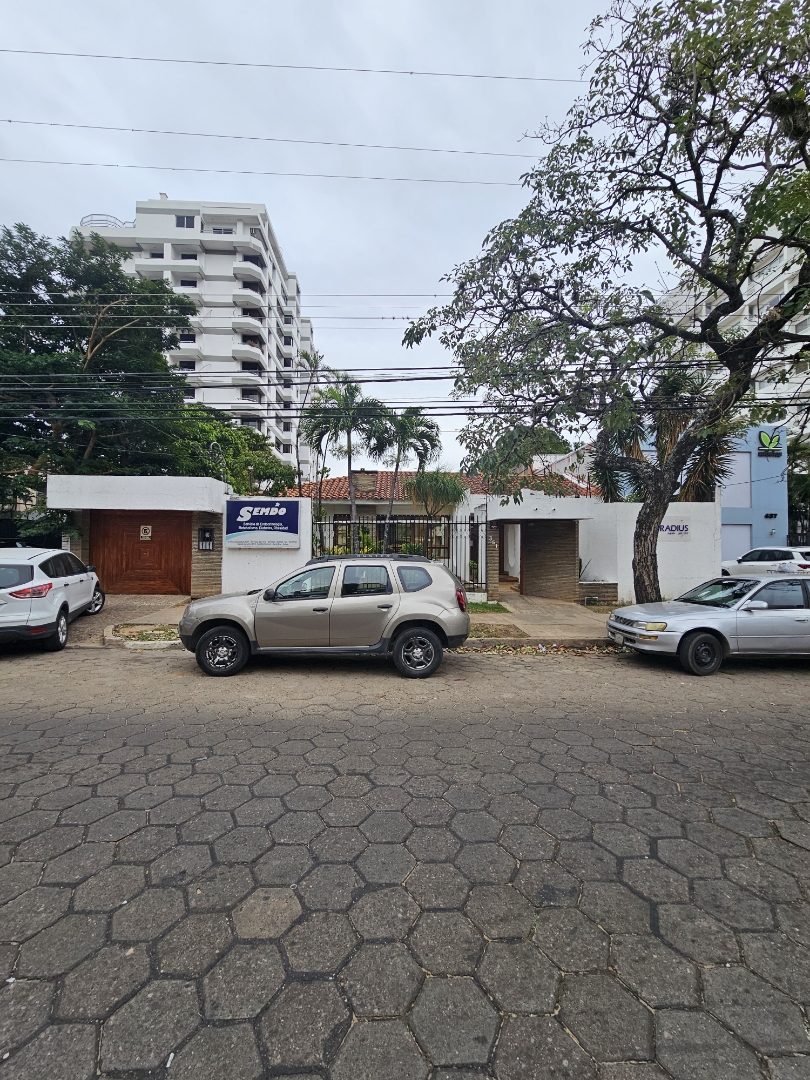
[417, 652]
[222, 650]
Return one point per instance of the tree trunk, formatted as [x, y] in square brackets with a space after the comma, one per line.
[390, 513]
[645, 544]
[352, 498]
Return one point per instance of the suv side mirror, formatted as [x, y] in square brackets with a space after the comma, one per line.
[90, 569]
[269, 594]
[755, 605]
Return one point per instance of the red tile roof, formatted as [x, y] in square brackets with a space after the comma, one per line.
[375, 486]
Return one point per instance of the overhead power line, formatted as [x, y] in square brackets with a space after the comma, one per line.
[291, 67]
[261, 172]
[271, 139]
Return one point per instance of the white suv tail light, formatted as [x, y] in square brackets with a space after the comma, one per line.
[35, 592]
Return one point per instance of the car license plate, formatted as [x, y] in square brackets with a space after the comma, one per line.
[618, 638]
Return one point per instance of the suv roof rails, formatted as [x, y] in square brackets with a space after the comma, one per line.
[335, 558]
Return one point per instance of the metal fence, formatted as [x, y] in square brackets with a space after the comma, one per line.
[458, 544]
[798, 526]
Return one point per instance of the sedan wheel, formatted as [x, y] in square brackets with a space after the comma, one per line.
[417, 653]
[700, 654]
[222, 650]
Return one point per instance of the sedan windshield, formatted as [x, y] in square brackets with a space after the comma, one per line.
[722, 592]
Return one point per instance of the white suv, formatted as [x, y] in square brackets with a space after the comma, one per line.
[41, 591]
[764, 560]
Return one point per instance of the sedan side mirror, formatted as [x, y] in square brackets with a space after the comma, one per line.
[269, 594]
[755, 605]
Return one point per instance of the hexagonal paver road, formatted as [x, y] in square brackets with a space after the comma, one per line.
[589, 867]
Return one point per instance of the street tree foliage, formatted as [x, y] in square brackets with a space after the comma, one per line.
[686, 157]
[85, 386]
[395, 438]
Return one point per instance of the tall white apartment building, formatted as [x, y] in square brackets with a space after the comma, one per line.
[242, 354]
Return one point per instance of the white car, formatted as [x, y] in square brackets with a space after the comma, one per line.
[768, 560]
[43, 590]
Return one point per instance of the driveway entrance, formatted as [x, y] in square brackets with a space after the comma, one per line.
[142, 551]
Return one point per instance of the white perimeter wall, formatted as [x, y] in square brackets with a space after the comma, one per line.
[256, 568]
[606, 546]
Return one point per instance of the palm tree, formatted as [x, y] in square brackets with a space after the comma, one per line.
[316, 432]
[317, 371]
[341, 412]
[396, 437]
[435, 489]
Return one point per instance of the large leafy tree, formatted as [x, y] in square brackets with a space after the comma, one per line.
[85, 386]
[687, 157]
[395, 438]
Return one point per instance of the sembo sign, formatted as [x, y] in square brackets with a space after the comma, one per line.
[262, 523]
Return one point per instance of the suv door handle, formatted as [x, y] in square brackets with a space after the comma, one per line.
[384, 607]
[803, 618]
[320, 609]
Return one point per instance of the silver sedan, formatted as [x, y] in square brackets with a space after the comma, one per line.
[751, 615]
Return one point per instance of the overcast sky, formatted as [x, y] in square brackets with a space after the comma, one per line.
[357, 237]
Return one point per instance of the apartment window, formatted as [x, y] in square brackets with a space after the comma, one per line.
[287, 448]
[188, 283]
[288, 341]
[286, 426]
[254, 259]
[252, 340]
[253, 366]
[252, 286]
[186, 336]
[287, 361]
[222, 230]
[252, 313]
[184, 221]
[288, 320]
[287, 384]
[188, 365]
[188, 255]
[278, 444]
[248, 421]
[287, 405]
[155, 254]
[250, 394]
[189, 393]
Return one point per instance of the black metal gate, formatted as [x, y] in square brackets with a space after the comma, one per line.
[457, 543]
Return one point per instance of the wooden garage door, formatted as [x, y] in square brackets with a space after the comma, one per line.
[128, 564]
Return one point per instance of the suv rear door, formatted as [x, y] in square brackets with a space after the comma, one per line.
[365, 602]
[81, 581]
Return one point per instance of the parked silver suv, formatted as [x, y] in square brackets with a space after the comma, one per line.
[403, 606]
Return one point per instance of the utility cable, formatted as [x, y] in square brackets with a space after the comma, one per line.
[260, 172]
[289, 67]
[269, 139]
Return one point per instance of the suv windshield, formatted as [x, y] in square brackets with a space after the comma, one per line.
[722, 592]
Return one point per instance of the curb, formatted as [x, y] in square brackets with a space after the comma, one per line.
[568, 643]
[111, 641]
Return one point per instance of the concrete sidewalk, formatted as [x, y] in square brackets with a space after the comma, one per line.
[547, 622]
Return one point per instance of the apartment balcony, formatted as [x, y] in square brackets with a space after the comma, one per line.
[243, 351]
[190, 351]
[252, 408]
[246, 271]
[243, 297]
[245, 324]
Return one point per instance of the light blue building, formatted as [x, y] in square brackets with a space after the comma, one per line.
[754, 498]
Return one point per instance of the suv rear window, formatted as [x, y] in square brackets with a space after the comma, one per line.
[414, 578]
[11, 576]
